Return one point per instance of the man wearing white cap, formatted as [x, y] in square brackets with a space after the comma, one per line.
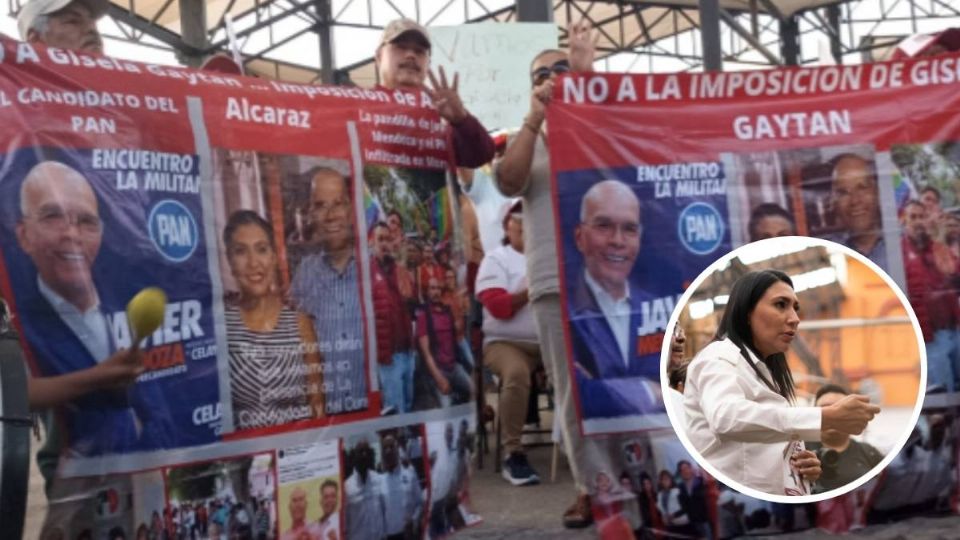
[67, 24]
[403, 59]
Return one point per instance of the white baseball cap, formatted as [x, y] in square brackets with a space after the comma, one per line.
[34, 8]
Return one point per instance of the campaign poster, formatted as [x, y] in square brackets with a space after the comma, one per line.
[310, 491]
[385, 483]
[416, 282]
[292, 313]
[926, 186]
[619, 291]
[450, 448]
[83, 231]
[840, 193]
[848, 153]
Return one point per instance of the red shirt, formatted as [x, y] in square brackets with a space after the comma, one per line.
[442, 342]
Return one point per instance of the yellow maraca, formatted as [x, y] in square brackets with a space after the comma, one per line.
[145, 313]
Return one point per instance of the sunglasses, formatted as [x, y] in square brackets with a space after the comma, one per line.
[543, 73]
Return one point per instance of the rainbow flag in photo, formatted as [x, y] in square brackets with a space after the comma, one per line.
[441, 213]
[903, 190]
[372, 209]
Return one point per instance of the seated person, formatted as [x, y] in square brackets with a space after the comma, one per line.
[510, 346]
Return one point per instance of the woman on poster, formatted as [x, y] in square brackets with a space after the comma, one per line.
[275, 364]
[739, 395]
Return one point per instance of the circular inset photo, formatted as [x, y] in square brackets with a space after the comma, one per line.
[796, 369]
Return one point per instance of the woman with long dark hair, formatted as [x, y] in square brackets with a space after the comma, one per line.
[276, 370]
[739, 396]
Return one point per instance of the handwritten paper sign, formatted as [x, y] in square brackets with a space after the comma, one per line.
[493, 61]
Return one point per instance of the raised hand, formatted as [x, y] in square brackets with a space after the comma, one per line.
[582, 42]
[850, 415]
[539, 99]
[445, 97]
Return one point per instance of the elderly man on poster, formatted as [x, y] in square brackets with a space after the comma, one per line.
[606, 309]
[61, 308]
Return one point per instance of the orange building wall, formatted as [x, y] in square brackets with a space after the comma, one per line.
[889, 354]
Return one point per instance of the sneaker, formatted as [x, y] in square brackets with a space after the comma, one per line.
[579, 515]
[517, 470]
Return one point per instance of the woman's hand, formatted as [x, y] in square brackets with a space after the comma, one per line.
[850, 415]
[807, 464]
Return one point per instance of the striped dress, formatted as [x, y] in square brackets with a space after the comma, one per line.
[268, 383]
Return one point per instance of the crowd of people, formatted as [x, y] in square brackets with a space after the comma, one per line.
[219, 518]
[421, 305]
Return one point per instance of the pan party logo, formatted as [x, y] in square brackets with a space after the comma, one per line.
[173, 230]
[700, 228]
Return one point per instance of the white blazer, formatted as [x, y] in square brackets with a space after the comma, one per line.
[738, 424]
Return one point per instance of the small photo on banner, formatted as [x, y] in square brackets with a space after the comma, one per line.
[319, 227]
[310, 492]
[385, 483]
[615, 226]
[450, 446]
[417, 285]
[926, 187]
[834, 193]
[226, 498]
[294, 330]
[82, 232]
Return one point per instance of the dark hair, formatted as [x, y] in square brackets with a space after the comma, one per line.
[735, 326]
[914, 202]
[247, 217]
[933, 190]
[830, 389]
[681, 463]
[767, 210]
[329, 483]
[677, 375]
[663, 472]
[541, 53]
[644, 476]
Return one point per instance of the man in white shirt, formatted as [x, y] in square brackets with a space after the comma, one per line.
[363, 491]
[402, 495]
[328, 526]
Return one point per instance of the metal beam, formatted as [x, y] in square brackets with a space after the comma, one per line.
[325, 34]
[790, 41]
[747, 36]
[159, 33]
[265, 23]
[193, 29]
[534, 11]
[710, 35]
[833, 23]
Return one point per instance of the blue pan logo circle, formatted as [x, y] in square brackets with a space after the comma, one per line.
[173, 230]
[700, 228]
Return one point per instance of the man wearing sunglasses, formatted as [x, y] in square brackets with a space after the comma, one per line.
[403, 61]
[524, 171]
